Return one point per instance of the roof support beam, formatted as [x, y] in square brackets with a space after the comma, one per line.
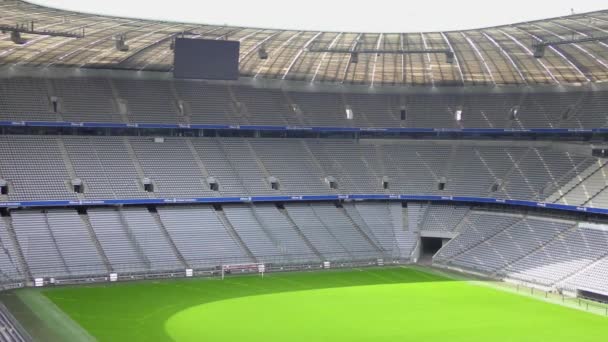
[428, 59]
[379, 51]
[258, 45]
[285, 43]
[507, 56]
[293, 62]
[454, 56]
[483, 60]
[402, 59]
[93, 43]
[44, 27]
[376, 59]
[577, 46]
[148, 47]
[563, 41]
[39, 52]
[322, 59]
[581, 33]
[559, 53]
[353, 47]
[136, 39]
[28, 28]
[525, 48]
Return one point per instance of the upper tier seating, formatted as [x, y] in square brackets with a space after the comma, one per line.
[114, 167]
[25, 99]
[197, 102]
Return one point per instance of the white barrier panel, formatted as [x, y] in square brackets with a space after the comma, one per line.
[596, 226]
[189, 272]
[380, 262]
[113, 276]
[326, 264]
[38, 282]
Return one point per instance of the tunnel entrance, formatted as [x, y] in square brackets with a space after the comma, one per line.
[430, 246]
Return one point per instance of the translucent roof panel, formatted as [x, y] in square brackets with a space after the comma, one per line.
[499, 55]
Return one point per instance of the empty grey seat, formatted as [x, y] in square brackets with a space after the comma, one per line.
[316, 232]
[150, 237]
[10, 270]
[37, 245]
[118, 246]
[201, 237]
[75, 243]
[284, 233]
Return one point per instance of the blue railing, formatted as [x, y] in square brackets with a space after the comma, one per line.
[319, 129]
[302, 198]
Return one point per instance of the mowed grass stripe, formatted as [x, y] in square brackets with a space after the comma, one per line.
[399, 303]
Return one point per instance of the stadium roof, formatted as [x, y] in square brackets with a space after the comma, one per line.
[499, 55]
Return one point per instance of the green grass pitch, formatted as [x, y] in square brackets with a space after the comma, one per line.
[382, 304]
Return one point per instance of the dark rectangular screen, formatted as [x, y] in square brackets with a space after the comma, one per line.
[206, 59]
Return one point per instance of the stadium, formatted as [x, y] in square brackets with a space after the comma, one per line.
[167, 181]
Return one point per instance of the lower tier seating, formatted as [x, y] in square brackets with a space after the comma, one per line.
[542, 251]
[63, 243]
[548, 251]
